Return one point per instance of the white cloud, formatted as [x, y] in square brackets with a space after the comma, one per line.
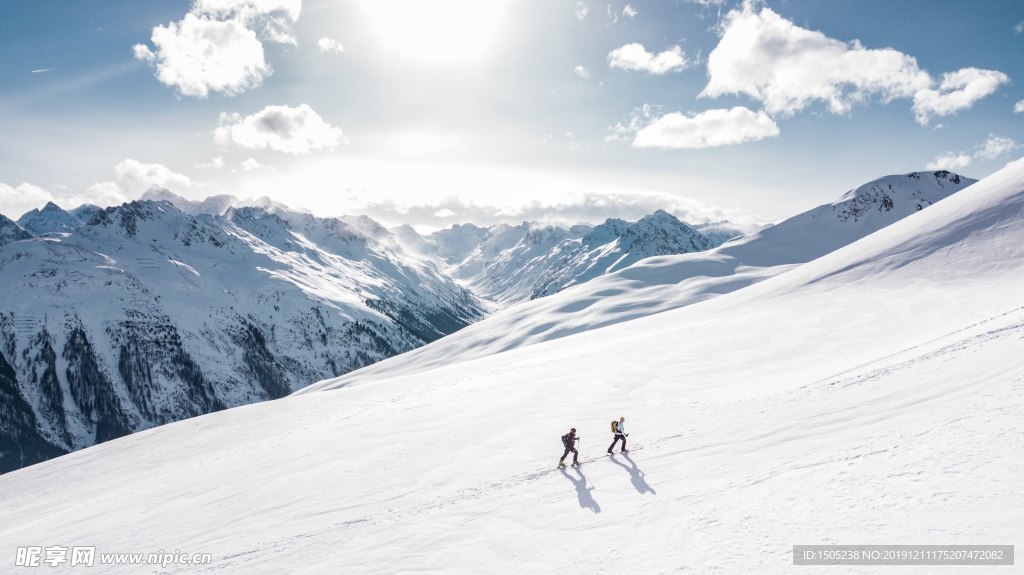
[199, 55]
[581, 9]
[16, 200]
[958, 91]
[1018, 108]
[252, 164]
[950, 161]
[629, 12]
[132, 178]
[636, 57]
[273, 19]
[298, 130]
[218, 45]
[330, 46]
[708, 129]
[787, 68]
[995, 146]
[638, 119]
[1019, 28]
[613, 16]
[215, 163]
[582, 72]
[992, 148]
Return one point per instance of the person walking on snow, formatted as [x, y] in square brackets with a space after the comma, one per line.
[619, 429]
[569, 441]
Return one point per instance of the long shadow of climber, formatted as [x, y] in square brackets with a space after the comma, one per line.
[635, 475]
[582, 491]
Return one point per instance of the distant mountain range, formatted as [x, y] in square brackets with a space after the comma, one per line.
[119, 319]
[661, 283]
[508, 264]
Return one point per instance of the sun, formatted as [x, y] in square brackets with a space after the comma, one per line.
[438, 32]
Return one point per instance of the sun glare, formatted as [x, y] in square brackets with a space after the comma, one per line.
[440, 32]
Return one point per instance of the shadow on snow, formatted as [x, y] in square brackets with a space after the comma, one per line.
[635, 475]
[582, 490]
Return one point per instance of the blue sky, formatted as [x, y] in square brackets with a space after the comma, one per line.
[487, 110]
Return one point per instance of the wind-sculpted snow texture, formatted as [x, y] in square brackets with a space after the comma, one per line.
[148, 315]
[869, 396]
[658, 284]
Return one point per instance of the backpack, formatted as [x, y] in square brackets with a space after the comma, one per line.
[567, 440]
[615, 426]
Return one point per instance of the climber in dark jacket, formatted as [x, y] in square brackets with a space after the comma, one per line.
[569, 441]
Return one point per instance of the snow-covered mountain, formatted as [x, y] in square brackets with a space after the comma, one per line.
[658, 284]
[148, 315]
[10, 231]
[51, 218]
[85, 212]
[505, 264]
[866, 397]
[508, 264]
[214, 205]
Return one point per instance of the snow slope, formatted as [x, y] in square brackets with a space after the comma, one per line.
[658, 284]
[869, 396]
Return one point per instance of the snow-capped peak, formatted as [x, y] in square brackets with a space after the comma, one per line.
[51, 218]
[917, 189]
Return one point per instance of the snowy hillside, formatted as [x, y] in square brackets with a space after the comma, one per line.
[868, 396]
[659, 284]
[148, 315]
